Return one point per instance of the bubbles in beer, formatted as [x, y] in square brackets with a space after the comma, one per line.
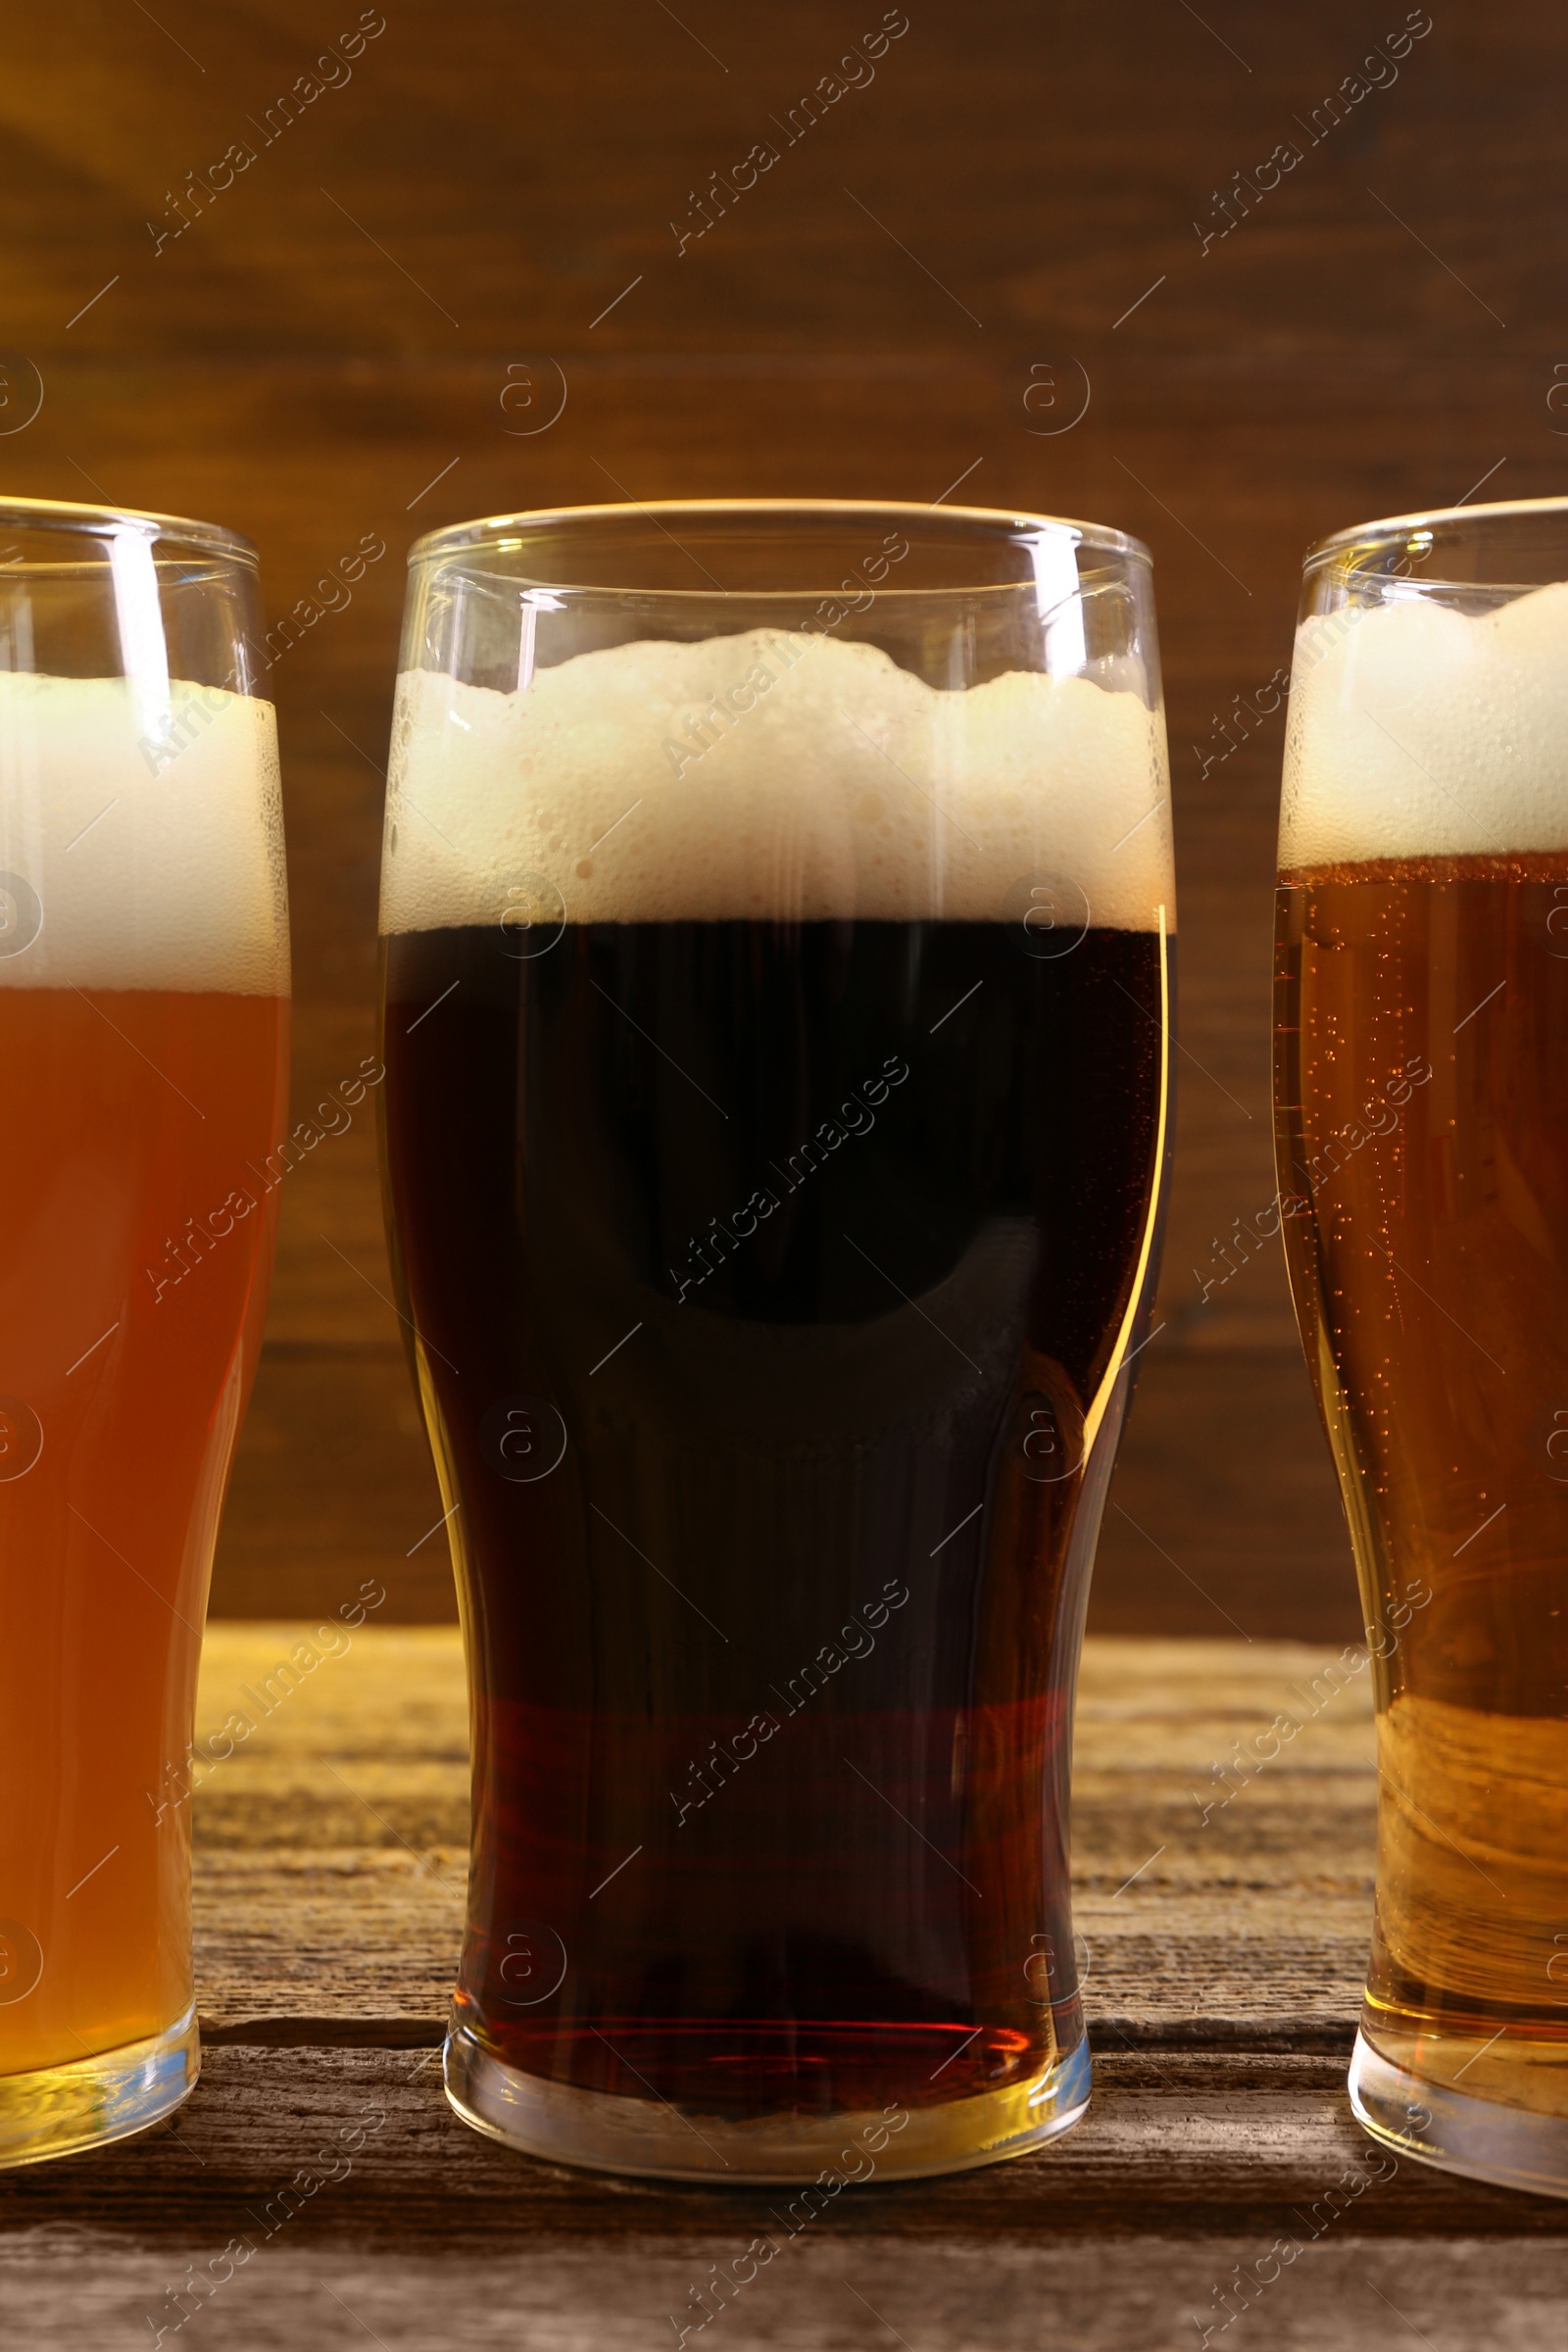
[774, 775]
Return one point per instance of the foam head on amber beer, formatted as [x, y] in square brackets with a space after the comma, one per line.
[141, 839]
[771, 776]
[1419, 731]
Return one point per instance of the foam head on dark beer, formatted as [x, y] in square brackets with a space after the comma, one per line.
[143, 832]
[772, 776]
[1419, 731]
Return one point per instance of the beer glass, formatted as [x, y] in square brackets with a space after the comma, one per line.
[1421, 1044]
[777, 915]
[143, 1024]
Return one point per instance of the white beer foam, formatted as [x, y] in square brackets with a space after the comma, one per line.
[1416, 731]
[146, 831]
[848, 788]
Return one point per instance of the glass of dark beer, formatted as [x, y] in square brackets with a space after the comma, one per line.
[143, 1034]
[1421, 1050]
[777, 919]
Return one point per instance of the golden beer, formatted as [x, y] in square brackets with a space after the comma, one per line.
[143, 1037]
[126, 1370]
[1421, 1062]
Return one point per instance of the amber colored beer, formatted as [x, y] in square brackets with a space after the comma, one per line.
[132, 1281]
[1422, 1092]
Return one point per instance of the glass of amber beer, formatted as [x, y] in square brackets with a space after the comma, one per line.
[1421, 1056]
[143, 1032]
[777, 916]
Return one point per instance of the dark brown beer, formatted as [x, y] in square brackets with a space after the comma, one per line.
[1422, 1043]
[765, 1277]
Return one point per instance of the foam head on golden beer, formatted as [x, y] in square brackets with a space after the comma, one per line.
[147, 831]
[1417, 731]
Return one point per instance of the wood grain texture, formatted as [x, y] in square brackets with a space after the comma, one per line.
[339, 1827]
[321, 353]
[1221, 1986]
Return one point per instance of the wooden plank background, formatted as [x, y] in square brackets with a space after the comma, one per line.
[1221, 1962]
[914, 296]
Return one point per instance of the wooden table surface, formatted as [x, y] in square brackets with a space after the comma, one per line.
[1223, 1960]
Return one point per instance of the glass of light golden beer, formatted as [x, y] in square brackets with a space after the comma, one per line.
[777, 921]
[1421, 1058]
[143, 1034]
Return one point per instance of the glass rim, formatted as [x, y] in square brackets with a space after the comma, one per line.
[1387, 530]
[996, 522]
[73, 517]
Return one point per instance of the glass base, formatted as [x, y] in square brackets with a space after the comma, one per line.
[612, 2135]
[1515, 2146]
[62, 2110]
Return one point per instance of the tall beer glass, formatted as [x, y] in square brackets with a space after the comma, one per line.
[143, 1021]
[1422, 1054]
[777, 913]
